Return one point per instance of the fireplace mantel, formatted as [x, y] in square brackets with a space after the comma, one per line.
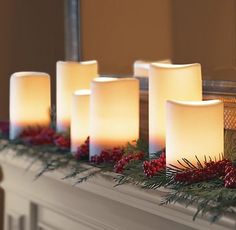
[50, 203]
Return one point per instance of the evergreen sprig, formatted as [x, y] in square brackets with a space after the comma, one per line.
[50, 156]
[210, 198]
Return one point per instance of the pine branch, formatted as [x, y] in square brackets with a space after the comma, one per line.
[85, 178]
[209, 198]
[133, 174]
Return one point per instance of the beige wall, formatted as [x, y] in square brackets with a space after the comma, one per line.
[204, 31]
[32, 38]
[117, 32]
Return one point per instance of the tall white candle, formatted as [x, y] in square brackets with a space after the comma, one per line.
[71, 76]
[30, 101]
[79, 118]
[194, 129]
[114, 113]
[169, 82]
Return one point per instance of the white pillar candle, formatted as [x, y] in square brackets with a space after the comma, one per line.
[141, 68]
[194, 129]
[71, 76]
[114, 113]
[169, 82]
[29, 101]
[79, 118]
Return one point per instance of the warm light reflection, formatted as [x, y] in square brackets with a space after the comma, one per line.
[173, 66]
[79, 118]
[194, 129]
[71, 76]
[114, 113]
[82, 92]
[169, 82]
[105, 79]
[29, 101]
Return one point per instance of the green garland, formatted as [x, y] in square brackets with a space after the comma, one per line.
[210, 198]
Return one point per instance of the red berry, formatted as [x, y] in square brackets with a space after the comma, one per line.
[38, 136]
[108, 156]
[83, 150]
[126, 159]
[209, 171]
[62, 142]
[154, 166]
[44, 136]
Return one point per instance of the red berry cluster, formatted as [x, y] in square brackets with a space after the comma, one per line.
[38, 136]
[83, 150]
[210, 171]
[108, 156]
[230, 176]
[44, 136]
[154, 166]
[62, 141]
[125, 160]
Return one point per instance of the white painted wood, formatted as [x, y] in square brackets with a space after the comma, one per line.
[15, 221]
[16, 212]
[50, 203]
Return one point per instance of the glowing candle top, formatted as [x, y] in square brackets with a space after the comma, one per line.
[141, 68]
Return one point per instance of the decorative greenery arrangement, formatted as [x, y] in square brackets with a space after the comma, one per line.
[211, 186]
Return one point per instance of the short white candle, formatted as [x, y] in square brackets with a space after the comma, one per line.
[114, 113]
[169, 82]
[30, 101]
[71, 76]
[79, 118]
[194, 129]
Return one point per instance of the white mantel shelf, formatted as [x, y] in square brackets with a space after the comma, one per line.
[50, 203]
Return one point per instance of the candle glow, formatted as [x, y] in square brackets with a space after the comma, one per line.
[30, 101]
[79, 118]
[71, 76]
[194, 129]
[114, 113]
[169, 82]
